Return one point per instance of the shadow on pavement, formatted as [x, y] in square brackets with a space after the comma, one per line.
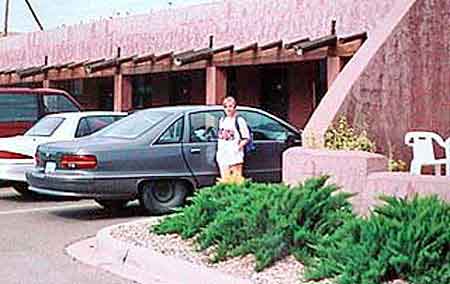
[95, 212]
[16, 197]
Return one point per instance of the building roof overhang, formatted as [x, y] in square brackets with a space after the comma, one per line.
[303, 49]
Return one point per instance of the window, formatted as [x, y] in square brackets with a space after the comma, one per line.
[18, 107]
[89, 125]
[83, 128]
[73, 87]
[264, 127]
[58, 103]
[45, 127]
[203, 126]
[173, 134]
[135, 124]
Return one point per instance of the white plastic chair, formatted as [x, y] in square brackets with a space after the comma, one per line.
[423, 152]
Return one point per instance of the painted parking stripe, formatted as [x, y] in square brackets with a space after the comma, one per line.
[44, 209]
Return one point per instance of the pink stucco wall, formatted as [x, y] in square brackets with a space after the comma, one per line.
[231, 21]
[363, 174]
[300, 164]
[398, 81]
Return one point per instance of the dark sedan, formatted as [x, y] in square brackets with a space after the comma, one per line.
[158, 155]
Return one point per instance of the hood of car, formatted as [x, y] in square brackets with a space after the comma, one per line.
[25, 145]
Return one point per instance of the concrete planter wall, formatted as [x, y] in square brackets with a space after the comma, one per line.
[362, 173]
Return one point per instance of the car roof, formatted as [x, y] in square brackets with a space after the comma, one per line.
[86, 114]
[190, 108]
[25, 91]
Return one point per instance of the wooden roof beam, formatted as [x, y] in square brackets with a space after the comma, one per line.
[105, 64]
[253, 47]
[144, 58]
[229, 48]
[48, 67]
[9, 71]
[31, 71]
[94, 61]
[64, 65]
[303, 47]
[198, 55]
[126, 59]
[183, 53]
[164, 56]
[276, 44]
[77, 64]
[359, 36]
[296, 42]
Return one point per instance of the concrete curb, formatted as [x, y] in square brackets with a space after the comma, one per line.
[144, 265]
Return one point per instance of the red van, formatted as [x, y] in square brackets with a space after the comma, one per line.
[20, 108]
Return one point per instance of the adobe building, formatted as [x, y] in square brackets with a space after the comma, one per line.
[383, 64]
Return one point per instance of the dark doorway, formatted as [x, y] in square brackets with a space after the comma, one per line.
[98, 93]
[181, 87]
[187, 87]
[142, 91]
[321, 81]
[274, 93]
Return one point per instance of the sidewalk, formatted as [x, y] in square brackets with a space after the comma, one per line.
[143, 264]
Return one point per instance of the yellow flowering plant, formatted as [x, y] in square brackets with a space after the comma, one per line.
[344, 137]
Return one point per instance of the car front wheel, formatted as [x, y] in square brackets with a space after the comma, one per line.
[160, 197]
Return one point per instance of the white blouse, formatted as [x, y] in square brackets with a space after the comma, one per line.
[228, 152]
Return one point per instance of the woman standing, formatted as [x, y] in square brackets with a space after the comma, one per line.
[231, 142]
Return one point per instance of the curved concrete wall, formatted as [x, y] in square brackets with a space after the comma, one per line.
[398, 81]
[236, 22]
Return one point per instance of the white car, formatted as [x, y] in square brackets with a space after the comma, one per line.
[17, 153]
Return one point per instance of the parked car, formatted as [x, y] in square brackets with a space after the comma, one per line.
[20, 108]
[17, 153]
[158, 155]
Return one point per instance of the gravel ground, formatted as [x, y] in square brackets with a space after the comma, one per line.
[286, 271]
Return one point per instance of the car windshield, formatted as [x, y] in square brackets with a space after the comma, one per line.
[45, 127]
[134, 125]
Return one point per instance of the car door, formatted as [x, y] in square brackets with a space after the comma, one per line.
[201, 145]
[165, 156]
[270, 137]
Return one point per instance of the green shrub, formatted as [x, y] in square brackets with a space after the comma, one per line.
[403, 239]
[205, 206]
[267, 220]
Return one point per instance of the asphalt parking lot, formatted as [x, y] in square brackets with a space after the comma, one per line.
[36, 232]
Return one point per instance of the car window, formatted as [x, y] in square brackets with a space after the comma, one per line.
[45, 127]
[203, 126]
[89, 125]
[135, 124]
[58, 103]
[17, 107]
[173, 134]
[264, 127]
[83, 128]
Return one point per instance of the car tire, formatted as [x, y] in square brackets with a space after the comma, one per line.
[22, 189]
[161, 197]
[112, 205]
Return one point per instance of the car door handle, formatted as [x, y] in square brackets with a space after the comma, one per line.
[195, 150]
